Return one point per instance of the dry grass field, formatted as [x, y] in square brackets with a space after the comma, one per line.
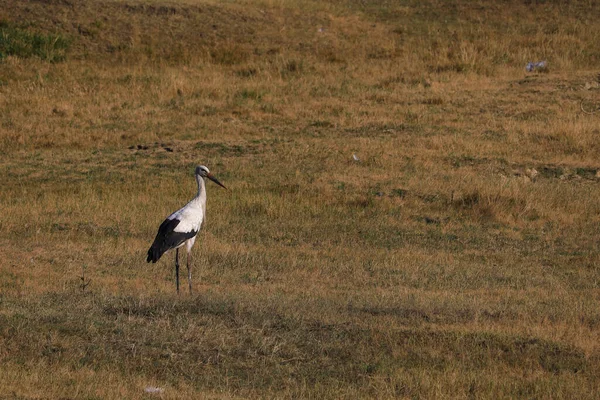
[458, 258]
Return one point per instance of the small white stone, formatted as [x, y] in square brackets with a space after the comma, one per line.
[153, 390]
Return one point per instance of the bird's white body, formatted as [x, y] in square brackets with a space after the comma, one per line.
[181, 227]
[190, 219]
[192, 214]
[185, 228]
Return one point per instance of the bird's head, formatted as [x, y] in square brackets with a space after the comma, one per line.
[202, 171]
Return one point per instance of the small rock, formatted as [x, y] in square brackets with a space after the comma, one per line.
[540, 66]
[59, 112]
[153, 390]
[531, 173]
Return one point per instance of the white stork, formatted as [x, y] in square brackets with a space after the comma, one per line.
[182, 226]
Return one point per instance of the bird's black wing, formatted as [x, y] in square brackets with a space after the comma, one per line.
[167, 239]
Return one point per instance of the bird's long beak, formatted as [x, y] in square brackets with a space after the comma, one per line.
[215, 180]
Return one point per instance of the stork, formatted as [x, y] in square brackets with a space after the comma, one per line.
[181, 227]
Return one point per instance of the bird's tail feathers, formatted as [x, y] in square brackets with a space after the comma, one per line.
[154, 254]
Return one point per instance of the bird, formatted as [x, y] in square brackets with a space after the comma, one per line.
[181, 227]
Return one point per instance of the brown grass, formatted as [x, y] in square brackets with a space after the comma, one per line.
[457, 259]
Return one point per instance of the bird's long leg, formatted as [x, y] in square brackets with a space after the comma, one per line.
[189, 267]
[177, 269]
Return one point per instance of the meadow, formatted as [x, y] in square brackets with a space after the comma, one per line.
[456, 256]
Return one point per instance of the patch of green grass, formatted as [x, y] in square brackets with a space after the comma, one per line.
[24, 44]
[249, 94]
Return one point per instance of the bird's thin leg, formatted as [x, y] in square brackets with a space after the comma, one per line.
[177, 269]
[189, 267]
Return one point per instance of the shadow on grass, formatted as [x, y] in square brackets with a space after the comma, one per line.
[214, 340]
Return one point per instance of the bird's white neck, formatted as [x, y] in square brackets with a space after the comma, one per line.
[201, 196]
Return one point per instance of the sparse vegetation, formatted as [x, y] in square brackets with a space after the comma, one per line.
[455, 257]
